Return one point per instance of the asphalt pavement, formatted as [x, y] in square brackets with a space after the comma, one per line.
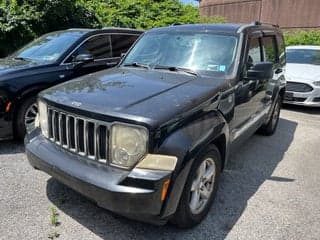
[270, 190]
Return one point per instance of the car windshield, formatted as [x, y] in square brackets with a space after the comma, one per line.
[303, 56]
[199, 52]
[49, 47]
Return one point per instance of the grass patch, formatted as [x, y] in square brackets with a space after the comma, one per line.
[54, 217]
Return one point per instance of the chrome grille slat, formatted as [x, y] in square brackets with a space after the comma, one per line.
[78, 134]
[86, 137]
[97, 141]
[53, 126]
[60, 128]
[76, 131]
[68, 130]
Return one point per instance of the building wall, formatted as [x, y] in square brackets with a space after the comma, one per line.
[286, 13]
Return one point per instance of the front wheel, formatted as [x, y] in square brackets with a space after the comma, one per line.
[26, 116]
[200, 189]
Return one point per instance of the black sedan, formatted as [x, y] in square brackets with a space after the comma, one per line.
[49, 60]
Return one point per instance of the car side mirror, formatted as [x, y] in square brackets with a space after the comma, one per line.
[260, 71]
[84, 58]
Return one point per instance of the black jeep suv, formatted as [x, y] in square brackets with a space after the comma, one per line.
[51, 59]
[149, 138]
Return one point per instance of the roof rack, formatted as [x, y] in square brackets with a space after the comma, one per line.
[258, 23]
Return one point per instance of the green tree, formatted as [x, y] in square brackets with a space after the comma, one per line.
[23, 20]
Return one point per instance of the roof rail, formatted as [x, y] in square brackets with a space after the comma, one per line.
[176, 24]
[256, 23]
[265, 23]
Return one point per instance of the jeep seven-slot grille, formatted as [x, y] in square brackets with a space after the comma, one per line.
[298, 87]
[83, 136]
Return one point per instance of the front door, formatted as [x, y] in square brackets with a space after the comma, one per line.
[248, 92]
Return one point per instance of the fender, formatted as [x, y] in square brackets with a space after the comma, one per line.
[32, 90]
[187, 142]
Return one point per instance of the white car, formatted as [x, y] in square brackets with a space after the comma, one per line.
[303, 75]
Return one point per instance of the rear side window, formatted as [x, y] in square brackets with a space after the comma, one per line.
[122, 43]
[254, 54]
[281, 50]
[269, 49]
[99, 47]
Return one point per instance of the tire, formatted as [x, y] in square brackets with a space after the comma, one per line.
[20, 125]
[270, 127]
[187, 216]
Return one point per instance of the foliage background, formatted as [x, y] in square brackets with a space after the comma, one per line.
[302, 38]
[23, 20]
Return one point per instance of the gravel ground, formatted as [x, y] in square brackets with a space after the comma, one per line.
[270, 190]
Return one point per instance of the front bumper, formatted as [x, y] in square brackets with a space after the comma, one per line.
[311, 99]
[135, 194]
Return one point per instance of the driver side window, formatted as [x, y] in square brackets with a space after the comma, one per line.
[254, 53]
[99, 47]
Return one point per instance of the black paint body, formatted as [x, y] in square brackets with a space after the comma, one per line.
[184, 115]
[21, 79]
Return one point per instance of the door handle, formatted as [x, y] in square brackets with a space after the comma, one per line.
[111, 63]
[279, 70]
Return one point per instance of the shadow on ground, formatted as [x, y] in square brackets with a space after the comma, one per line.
[11, 147]
[302, 109]
[245, 173]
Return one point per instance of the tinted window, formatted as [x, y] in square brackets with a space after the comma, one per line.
[122, 43]
[303, 56]
[48, 47]
[269, 49]
[281, 49]
[98, 46]
[254, 54]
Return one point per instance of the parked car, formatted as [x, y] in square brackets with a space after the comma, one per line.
[51, 59]
[303, 76]
[149, 138]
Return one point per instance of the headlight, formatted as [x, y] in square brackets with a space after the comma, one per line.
[43, 118]
[317, 83]
[128, 145]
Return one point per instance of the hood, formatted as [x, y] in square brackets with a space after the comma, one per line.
[147, 94]
[306, 72]
[9, 65]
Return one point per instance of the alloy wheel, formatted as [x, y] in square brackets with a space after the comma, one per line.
[30, 117]
[202, 186]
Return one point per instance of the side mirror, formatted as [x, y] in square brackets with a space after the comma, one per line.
[260, 71]
[84, 58]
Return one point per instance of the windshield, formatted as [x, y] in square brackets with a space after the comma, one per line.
[48, 47]
[196, 51]
[303, 56]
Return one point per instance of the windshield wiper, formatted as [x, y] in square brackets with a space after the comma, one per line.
[22, 58]
[135, 64]
[177, 69]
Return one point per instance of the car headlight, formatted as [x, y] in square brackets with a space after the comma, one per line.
[316, 83]
[43, 118]
[128, 145]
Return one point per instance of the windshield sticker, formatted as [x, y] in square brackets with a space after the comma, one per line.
[222, 68]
